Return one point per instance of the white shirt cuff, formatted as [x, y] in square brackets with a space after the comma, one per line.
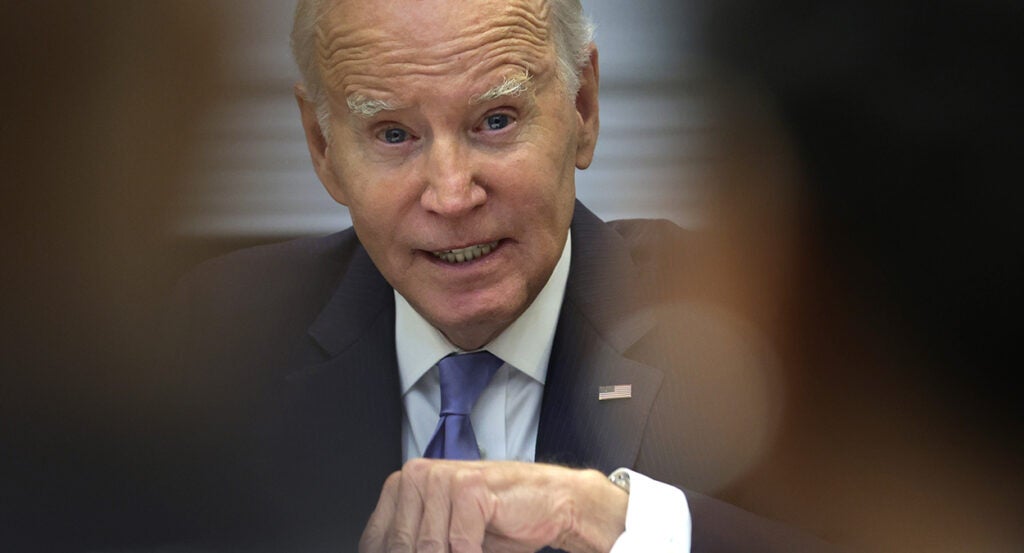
[657, 518]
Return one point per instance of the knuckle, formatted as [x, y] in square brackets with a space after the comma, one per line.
[592, 476]
[468, 479]
[393, 481]
[438, 478]
[417, 467]
[469, 491]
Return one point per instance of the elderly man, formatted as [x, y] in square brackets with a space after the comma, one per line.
[452, 132]
[475, 314]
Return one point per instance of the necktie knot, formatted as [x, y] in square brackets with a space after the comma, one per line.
[463, 379]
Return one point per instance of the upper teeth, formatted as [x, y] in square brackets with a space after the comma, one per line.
[466, 254]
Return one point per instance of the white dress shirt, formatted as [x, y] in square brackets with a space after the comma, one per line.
[506, 417]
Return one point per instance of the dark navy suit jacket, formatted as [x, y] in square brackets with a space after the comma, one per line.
[290, 378]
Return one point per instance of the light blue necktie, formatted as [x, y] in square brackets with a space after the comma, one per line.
[463, 379]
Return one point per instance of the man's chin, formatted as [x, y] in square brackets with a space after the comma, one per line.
[475, 329]
[470, 318]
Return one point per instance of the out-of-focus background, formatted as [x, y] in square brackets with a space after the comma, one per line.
[882, 136]
[847, 172]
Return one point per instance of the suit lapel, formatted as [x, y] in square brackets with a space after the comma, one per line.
[359, 381]
[601, 317]
[341, 413]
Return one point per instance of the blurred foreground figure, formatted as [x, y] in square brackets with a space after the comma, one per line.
[99, 103]
[870, 222]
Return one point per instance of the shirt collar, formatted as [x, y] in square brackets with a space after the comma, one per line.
[525, 344]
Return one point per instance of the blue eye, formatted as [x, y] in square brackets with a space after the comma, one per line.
[497, 121]
[395, 135]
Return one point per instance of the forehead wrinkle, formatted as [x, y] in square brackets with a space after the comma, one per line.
[336, 49]
[519, 35]
[368, 83]
[537, 20]
[533, 23]
[438, 60]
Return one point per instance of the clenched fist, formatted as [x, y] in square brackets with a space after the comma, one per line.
[475, 506]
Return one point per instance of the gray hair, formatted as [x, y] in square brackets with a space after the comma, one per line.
[571, 30]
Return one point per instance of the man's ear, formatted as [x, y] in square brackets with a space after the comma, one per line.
[317, 144]
[587, 111]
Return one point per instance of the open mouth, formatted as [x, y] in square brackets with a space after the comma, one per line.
[469, 253]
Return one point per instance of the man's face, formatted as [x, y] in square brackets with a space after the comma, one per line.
[462, 187]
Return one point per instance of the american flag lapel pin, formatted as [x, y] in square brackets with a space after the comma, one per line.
[620, 391]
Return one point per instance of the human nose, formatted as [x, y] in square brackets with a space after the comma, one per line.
[451, 189]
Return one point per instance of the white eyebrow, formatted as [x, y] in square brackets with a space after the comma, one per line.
[511, 86]
[367, 107]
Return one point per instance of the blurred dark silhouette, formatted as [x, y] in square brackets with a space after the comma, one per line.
[869, 220]
[100, 104]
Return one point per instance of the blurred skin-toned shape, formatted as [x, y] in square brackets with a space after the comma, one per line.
[100, 105]
[866, 219]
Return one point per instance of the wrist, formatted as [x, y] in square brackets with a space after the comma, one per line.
[597, 513]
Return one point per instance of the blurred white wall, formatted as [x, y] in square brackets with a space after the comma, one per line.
[251, 175]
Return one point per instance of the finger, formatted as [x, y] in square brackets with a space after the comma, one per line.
[406, 524]
[472, 509]
[375, 533]
[437, 505]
